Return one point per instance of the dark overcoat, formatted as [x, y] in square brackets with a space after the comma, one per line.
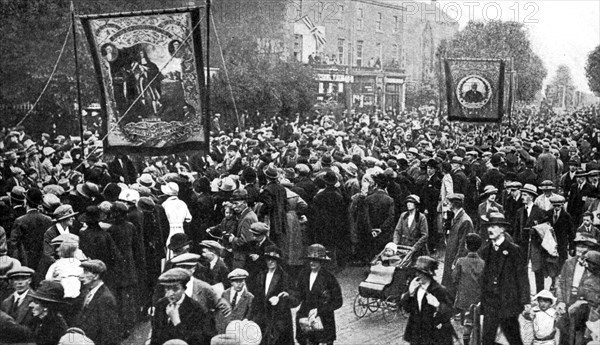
[275, 321]
[325, 296]
[188, 330]
[428, 326]
[99, 318]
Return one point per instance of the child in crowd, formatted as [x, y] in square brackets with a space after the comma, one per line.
[389, 256]
[543, 317]
[466, 275]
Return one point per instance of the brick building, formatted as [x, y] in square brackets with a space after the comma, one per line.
[363, 51]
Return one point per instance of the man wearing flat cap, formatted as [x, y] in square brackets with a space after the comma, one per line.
[242, 236]
[562, 223]
[274, 199]
[255, 260]
[97, 316]
[177, 316]
[238, 296]
[215, 308]
[578, 194]
[215, 270]
[17, 304]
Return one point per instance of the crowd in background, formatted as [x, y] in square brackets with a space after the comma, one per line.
[100, 242]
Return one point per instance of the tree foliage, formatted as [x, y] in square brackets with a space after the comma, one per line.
[502, 40]
[33, 32]
[592, 70]
[562, 84]
[261, 84]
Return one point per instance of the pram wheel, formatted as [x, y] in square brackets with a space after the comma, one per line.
[391, 309]
[360, 306]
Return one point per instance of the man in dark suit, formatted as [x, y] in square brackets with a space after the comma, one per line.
[563, 227]
[27, 235]
[17, 304]
[97, 316]
[430, 194]
[238, 295]
[122, 170]
[176, 315]
[578, 194]
[216, 270]
[381, 217]
[493, 176]
[504, 284]
[527, 238]
[568, 178]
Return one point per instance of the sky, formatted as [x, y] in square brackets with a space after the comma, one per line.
[561, 32]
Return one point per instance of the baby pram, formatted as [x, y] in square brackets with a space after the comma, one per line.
[384, 286]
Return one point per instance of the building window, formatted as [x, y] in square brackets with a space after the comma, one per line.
[379, 19]
[298, 47]
[395, 58]
[396, 24]
[341, 17]
[350, 57]
[359, 19]
[359, 53]
[341, 51]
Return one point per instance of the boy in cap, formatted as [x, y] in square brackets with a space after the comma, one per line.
[176, 315]
[238, 295]
[216, 270]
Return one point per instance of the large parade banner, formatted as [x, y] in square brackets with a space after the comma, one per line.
[150, 70]
[475, 89]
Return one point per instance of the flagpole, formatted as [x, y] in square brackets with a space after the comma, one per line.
[79, 109]
[207, 101]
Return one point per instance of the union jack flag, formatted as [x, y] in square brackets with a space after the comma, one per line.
[319, 37]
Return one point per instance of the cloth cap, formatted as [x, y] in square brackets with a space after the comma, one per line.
[174, 276]
[62, 238]
[212, 245]
[185, 259]
[547, 185]
[21, 271]
[426, 265]
[316, 252]
[557, 199]
[238, 274]
[496, 218]
[94, 266]
[259, 228]
[456, 197]
[146, 204]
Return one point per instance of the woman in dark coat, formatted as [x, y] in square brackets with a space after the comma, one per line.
[47, 325]
[271, 305]
[131, 248]
[97, 243]
[429, 307]
[319, 300]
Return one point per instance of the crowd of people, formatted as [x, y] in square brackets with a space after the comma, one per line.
[92, 244]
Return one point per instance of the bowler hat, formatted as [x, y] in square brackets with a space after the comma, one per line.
[426, 265]
[316, 252]
[330, 178]
[87, 189]
[178, 240]
[34, 197]
[49, 291]
[111, 192]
